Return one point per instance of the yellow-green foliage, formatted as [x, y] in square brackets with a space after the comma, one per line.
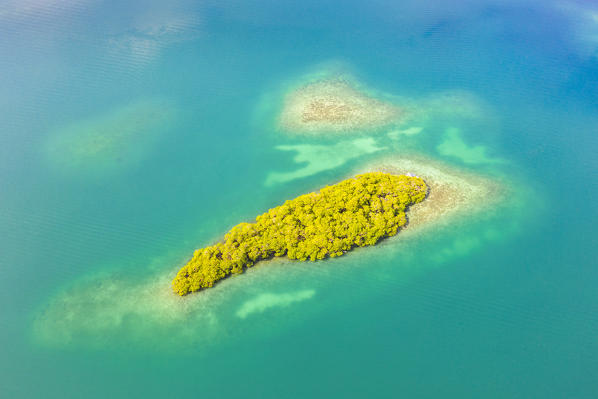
[355, 212]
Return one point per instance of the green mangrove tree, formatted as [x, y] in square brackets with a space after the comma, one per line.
[355, 212]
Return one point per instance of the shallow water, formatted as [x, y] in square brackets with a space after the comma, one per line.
[498, 304]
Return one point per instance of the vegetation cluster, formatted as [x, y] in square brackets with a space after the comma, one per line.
[355, 212]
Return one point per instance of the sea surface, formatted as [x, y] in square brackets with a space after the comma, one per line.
[132, 133]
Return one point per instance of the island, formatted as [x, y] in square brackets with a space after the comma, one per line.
[356, 212]
[103, 305]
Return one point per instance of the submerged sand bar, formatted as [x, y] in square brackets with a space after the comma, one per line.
[109, 141]
[453, 192]
[334, 105]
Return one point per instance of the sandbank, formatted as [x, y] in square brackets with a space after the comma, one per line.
[332, 101]
[453, 192]
[335, 105]
[116, 310]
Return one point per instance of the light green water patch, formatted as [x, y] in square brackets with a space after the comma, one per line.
[266, 301]
[318, 158]
[464, 244]
[453, 145]
[111, 141]
[456, 103]
[409, 131]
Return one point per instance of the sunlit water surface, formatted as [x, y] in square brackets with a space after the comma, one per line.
[131, 134]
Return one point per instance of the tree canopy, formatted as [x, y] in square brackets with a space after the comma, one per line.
[355, 212]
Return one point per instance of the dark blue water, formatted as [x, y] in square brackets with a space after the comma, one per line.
[132, 134]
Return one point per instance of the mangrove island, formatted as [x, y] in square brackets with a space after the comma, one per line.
[356, 212]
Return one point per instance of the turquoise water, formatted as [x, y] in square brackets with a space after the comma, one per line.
[133, 134]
